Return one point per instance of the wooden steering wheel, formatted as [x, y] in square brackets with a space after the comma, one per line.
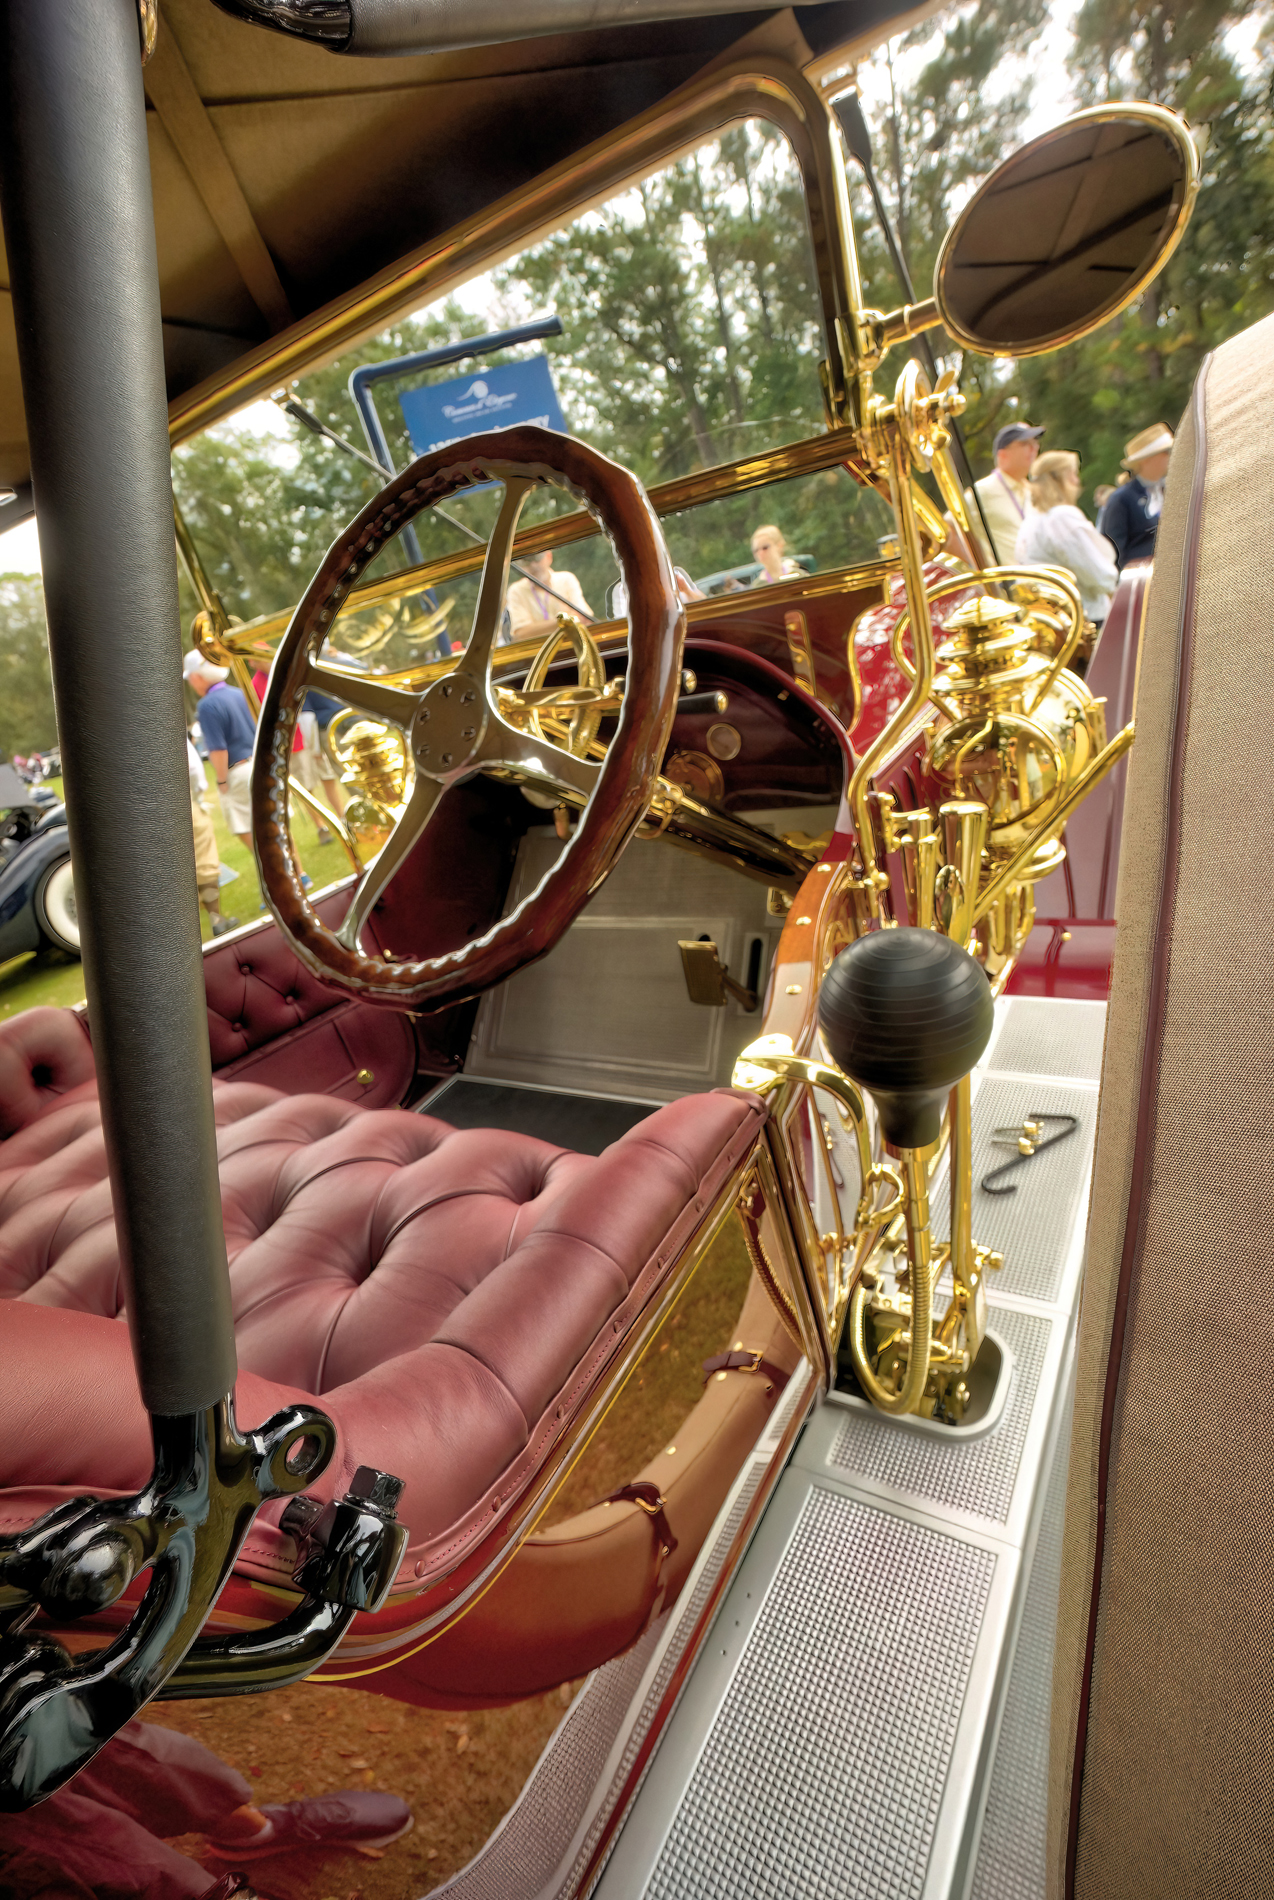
[454, 728]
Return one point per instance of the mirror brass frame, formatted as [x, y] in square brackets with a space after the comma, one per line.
[1158, 118]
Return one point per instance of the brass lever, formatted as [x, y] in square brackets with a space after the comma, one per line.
[708, 980]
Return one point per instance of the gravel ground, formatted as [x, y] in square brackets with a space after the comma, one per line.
[458, 1773]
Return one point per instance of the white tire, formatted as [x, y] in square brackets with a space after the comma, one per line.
[55, 908]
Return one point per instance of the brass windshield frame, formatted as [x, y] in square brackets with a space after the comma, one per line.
[761, 86]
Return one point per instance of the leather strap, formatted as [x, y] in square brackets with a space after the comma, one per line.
[743, 1361]
[648, 1498]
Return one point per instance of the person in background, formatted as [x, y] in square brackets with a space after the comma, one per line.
[229, 732]
[1101, 495]
[207, 857]
[769, 548]
[321, 709]
[1130, 519]
[1056, 530]
[310, 765]
[532, 610]
[1005, 493]
[106, 1835]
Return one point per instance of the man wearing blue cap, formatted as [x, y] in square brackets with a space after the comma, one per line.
[1005, 493]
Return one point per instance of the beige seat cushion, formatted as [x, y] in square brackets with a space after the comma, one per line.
[1162, 1762]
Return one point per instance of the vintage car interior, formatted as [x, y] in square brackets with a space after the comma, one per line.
[647, 1225]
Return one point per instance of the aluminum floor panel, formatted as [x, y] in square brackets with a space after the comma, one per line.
[869, 1714]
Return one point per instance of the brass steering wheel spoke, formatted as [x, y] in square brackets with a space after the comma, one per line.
[537, 761]
[425, 797]
[364, 691]
[487, 615]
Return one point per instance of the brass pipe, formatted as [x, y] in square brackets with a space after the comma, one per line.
[964, 827]
[908, 320]
[960, 1173]
[920, 1270]
[1066, 652]
[1078, 792]
[327, 817]
[922, 681]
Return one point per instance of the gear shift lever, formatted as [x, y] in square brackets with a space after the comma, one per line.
[905, 1014]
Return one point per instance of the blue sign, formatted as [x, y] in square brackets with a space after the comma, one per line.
[442, 413]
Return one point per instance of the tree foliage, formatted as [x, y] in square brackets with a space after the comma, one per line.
[27, 723]
[691, 330]
[1138, 369]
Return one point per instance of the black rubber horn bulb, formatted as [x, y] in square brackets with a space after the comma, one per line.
[905, 1014]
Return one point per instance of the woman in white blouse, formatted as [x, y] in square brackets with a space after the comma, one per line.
[1056, 531]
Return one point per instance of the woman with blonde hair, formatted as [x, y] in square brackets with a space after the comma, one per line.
[1057, 531]
[770, 549]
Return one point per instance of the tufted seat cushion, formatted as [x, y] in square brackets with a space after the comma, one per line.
[450, 1296]
[45, 1055]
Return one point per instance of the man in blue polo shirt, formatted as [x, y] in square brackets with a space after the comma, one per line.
[229, 733]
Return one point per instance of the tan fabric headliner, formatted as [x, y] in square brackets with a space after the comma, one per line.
[284, 175]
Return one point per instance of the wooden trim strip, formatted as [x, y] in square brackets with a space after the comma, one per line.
[1152, 1054]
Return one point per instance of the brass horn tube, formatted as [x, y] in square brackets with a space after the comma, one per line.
[1078, 792]
[916, 1214]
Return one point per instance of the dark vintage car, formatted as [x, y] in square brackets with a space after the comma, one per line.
[607, 1274]
[37, 889]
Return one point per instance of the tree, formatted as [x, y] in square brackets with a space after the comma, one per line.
[947, 129]
[1139, 368]
[27, 722]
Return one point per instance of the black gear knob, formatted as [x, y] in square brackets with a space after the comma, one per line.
[906, 1013]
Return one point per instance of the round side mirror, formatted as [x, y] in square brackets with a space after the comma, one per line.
[1067, 231]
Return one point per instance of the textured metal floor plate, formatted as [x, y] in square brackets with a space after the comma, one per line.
[836, 1735]
[1043, 1037]
[1010, 1855]
[976, 1477]
[804, 1711]
[1034, 1227]
[529, 1847]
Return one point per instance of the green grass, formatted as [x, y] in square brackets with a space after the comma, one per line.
[48, 976]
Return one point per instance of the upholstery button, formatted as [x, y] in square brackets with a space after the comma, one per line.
[238, 1028]
[364, 1078]
[421, 1567]
[245, 969]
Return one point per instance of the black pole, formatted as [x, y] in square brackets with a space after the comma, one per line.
[76, 200]
[849, 112]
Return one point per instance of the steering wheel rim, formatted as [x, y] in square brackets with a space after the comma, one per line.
[438, 724]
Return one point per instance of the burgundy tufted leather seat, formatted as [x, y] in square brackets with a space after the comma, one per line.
[448, 1296]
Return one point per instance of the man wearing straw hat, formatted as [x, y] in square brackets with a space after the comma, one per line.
[1130, 519]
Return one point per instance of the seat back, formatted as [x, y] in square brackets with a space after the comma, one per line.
[1161, 1769]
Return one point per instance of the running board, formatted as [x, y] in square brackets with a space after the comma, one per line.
[837, 1735]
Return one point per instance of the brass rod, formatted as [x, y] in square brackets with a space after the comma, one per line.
[910, 319]
[1078, 792]
[922, 682]
[327, 816]
[920, 1272]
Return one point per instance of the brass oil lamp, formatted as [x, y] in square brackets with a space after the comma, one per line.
[1024, 728]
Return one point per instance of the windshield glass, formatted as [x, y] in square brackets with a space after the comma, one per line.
[689, 336]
